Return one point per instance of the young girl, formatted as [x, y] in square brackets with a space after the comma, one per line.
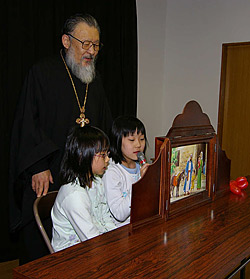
[80, 211]
[128, 137]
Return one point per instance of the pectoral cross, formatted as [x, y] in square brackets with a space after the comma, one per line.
[82, 121]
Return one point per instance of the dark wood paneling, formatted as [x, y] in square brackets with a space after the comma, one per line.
[234, 106]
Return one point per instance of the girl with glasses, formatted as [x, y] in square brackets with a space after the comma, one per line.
[80, 211]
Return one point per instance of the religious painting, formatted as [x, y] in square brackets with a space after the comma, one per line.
[190, 175]
[188, 171]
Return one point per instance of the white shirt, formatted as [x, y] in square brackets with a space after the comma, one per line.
[79, 214]
[118, 189]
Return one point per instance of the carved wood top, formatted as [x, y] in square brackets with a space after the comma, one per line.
[191, 122]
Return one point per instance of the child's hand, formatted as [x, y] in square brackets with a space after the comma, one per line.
[144, 169]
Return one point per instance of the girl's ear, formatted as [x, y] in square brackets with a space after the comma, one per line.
[66, 41]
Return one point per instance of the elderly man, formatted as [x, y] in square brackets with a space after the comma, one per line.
[58, 93]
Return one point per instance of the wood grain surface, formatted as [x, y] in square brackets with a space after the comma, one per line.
[207, 242]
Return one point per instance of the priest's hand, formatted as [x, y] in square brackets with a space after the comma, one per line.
[40, 182]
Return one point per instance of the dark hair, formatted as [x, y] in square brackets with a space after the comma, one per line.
[124, 126]
[81, 146]
[70, 23]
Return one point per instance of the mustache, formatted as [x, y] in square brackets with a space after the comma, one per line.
[88, 56]
[85, 73]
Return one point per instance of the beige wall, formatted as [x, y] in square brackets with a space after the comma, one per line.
[180, 44]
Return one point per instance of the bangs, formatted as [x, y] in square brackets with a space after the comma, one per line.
[130, 130]
[102, 145]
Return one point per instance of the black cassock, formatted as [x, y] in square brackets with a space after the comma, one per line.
[46, 111]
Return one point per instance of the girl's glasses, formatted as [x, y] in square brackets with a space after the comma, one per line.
[102, 155]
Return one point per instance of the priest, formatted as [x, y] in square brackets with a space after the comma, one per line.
[58, 93]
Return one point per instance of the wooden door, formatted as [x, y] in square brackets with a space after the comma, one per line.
[234, 108]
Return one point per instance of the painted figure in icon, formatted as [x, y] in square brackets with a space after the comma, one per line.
[188, 174]
[193, 179]
[175, 182]
[200, 167]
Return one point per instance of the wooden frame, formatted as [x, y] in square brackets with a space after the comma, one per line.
[190, 130]
[151, 198]
[181, 197]
[225, 47]
[148, 194]
[234, 106]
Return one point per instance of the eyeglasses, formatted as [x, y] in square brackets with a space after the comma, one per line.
[88, 44]
[103, 155]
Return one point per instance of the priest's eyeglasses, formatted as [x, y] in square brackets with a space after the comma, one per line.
[87, 44]
[102, 155]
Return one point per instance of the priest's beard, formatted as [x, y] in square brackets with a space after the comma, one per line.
[85, 73]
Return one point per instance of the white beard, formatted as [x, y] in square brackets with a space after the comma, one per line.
[85, 73]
